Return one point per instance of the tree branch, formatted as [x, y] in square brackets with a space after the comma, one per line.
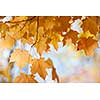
[37, 32]
[21, 20]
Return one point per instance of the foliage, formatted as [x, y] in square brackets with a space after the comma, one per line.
[39, 32]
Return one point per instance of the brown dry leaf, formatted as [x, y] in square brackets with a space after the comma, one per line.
[71, 35]
[89, 24]
[88, 45]
[7, 42]
[21, 57]
[24, 78]
[54, 75]
[39, 66]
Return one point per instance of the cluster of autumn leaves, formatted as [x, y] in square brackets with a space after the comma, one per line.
[40, 31]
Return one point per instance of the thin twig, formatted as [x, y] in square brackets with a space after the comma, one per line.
[23, 27]
[37, 32]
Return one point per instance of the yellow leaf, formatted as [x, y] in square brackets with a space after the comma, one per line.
[41, 45]
[41, 40]
[21, 57]
[86, 35]
[55, 38]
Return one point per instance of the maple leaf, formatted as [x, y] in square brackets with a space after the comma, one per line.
[24, 78]
[41, 45]
[39, 66]
[41, 32]
[22, 27]
[88, 45]
[90, 25]
[54, 39]
[47, 22]
[44, 38]
[50, 78]
[21, 57]
[41, 41]
[71, 35]
[62, 24]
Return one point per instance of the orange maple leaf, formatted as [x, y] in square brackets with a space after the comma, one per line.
[88, 45]
[90, 25]
[71, 35]
[39, 66]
